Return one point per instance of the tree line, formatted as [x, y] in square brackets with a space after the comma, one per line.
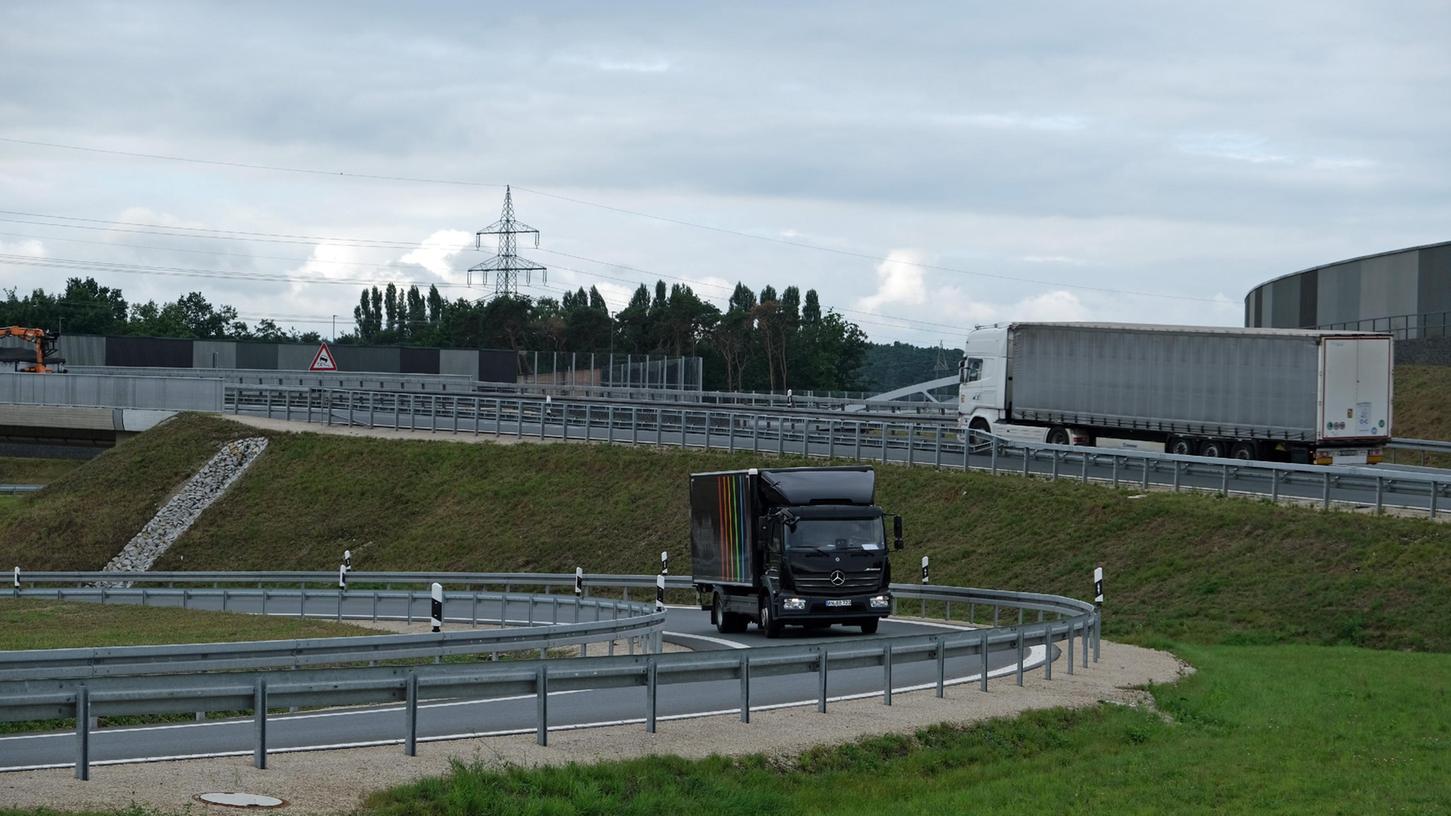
[761, 341]
[766, 340]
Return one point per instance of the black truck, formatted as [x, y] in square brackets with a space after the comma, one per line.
[804, 546]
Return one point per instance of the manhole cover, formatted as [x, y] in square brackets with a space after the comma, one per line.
[240, 800]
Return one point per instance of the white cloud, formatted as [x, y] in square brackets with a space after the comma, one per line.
[29, 247]
[1060, 123]
[1055, 306]
[900, 281]
[436, 252]
[1245, 147]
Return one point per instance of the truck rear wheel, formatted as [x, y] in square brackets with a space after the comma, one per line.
[1244, 450]
[1180, 446]
[727, 623]
[767, 621]
[1058, 435]
[1214, 448]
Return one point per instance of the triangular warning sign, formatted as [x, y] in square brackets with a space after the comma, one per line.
[323, 360]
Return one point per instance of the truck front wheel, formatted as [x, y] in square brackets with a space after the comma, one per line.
[869, 627]
[767, 621]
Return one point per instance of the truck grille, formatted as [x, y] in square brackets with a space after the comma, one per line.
[855, 584]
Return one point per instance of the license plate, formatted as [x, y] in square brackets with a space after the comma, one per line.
[838, 603]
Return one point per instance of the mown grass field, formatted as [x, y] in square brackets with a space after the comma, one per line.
[1319, 638]
[1259, 729]
[23, 470]
[1190, 567]
[28, 623]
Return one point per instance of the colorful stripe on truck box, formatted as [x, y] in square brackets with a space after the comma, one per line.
[732, 494]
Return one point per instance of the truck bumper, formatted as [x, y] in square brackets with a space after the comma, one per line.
[1348, 456]
[794, 608]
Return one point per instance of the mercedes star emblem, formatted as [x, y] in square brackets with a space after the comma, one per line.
[838, 577]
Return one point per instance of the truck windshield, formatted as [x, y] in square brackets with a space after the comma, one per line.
[837, 534]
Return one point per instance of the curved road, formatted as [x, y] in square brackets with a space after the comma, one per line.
[378, 725]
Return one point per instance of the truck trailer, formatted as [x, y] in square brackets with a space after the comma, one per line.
[790, 546]
[1292, 395]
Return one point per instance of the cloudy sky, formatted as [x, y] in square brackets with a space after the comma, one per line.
[925, 166]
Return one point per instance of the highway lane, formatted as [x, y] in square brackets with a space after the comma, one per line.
[807, 437]
[567, 709]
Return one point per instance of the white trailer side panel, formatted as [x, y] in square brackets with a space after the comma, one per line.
[1355, 388]
[1212, 382]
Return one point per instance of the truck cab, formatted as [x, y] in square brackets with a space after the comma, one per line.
[791, 546]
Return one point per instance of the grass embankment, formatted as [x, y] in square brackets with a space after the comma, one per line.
[43, 624]
[1420, 402]
[1284, 729]
[23, 470]
[1192, 567]
[82, 519]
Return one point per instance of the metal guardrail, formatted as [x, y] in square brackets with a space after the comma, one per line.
[1060, 623]
[536, 625]
[10, 489]
[856, 437]
[1424, 445]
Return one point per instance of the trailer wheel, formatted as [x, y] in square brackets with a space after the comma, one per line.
[767, 621]
[1214, 448]
[1180, 446]
[727, 623]
[1058, 435]
[869, 627]
[1244, 450]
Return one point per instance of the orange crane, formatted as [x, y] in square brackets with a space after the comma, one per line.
[44, 342]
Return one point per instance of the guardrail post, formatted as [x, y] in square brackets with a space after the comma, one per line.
[541, 703]
[1379, 495]
[746, 686]
[259, 715]
[1069, 661]
[1145, 484]
[821, 679]
[410, 715]
[1086, 633]
[83, 733]
[17, 569]
[887, 674]
[1176, 475]
[982, 661]
[1435, 492]
[1115, 472]
[1325, 498]
[911, 441]
[1019, 671]
[941, 665]
[1083, 460]
[650, 690]
[1048, 651]
[857, 453]
[937, 446]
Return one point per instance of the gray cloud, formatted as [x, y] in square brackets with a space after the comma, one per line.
[1192, 151]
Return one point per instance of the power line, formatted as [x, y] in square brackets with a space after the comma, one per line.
[621, 210]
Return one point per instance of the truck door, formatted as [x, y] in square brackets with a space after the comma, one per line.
[1355, 388]
[774, 550]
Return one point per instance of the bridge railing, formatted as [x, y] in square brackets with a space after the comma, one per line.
[854, 437]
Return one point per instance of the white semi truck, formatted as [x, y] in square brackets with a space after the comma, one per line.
[1320, 397]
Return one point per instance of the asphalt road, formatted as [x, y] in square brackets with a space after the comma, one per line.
[506, 715]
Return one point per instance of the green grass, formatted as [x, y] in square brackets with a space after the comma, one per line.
[1260, 729]
[1187, 567]
[21, 470]
[29, 623]
[84, 517]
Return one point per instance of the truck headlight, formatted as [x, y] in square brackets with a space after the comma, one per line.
[794, 604]
[881, 601]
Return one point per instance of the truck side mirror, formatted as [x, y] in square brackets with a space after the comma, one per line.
[897, 532]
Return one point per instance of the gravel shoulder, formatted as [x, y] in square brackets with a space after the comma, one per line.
[331, 782]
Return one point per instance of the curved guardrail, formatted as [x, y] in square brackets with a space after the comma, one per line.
[527, 622]
[1056, 623]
